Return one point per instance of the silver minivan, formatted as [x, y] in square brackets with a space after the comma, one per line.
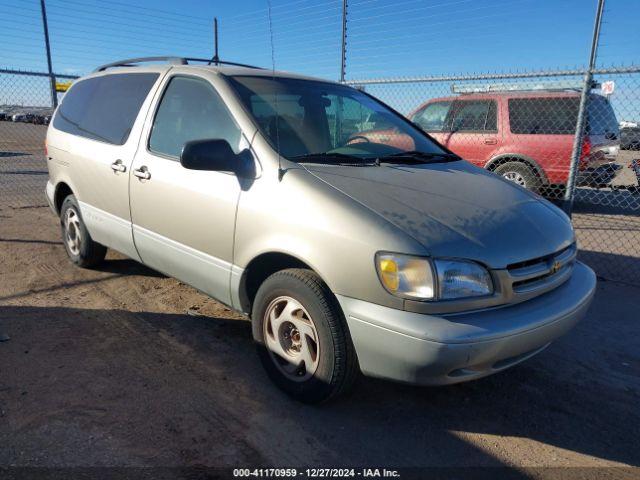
[264, 190]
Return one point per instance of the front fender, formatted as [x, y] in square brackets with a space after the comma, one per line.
[305, 218]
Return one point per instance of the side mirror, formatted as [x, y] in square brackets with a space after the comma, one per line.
[212, 155]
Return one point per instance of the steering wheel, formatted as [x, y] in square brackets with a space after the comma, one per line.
[355, 137]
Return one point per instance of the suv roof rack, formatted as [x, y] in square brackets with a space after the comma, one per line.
[132, 62]
[545, 86]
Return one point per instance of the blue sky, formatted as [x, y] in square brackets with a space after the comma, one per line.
[385, 38]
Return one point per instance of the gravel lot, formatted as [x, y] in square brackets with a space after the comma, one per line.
[106, 367]
[122, 366]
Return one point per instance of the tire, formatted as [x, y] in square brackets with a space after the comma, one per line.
[301, 296]
[80, 247]
[521, 174]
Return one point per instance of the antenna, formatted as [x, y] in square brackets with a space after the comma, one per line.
[216, 59]
[273, 76]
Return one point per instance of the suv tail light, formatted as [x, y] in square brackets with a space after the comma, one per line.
[585, 153]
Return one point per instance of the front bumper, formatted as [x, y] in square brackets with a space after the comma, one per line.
[439, 350]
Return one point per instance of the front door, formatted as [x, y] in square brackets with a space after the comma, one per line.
[473, 131]
[432, 119]
[184, 220]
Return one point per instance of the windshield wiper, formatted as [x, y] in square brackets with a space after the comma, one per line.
[330, 159]
[415, 156]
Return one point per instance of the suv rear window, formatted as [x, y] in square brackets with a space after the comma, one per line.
[558, 115]
[104, 108]
[602, 119]
[543, 116]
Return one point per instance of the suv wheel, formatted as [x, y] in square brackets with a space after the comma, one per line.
[520, 173]
[302, 338]
[80, 247]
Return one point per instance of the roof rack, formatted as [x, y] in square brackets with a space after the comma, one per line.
[132, 62]
[544, 86]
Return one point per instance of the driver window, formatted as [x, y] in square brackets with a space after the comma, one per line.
[432, 117]
[191, 109]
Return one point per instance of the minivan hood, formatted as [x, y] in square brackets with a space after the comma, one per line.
[455, 209]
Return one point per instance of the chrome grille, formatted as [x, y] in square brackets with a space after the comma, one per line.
[542, 274]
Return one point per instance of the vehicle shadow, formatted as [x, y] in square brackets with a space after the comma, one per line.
[28, 240]
[13, 154]
[25, 172]
[570, 397]
[127, 267]
[613, 266]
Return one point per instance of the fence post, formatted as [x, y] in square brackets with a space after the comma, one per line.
[582, 115]
[343, 51]
[52, 78]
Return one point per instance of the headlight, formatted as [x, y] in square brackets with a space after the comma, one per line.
[406, 276]
[460, 279]
[420, 278]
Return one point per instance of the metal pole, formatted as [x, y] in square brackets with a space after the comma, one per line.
[52, 78]
[569, 193]
[343, 57]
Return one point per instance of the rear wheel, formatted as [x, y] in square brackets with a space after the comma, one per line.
[302, 337]
[521, 174]
[80, 247]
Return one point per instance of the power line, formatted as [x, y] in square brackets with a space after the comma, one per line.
[127, 7]
[282, 5]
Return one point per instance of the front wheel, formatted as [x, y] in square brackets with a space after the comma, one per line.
[301, 336]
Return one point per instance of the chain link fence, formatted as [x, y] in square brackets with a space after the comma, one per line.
[26, 107]
[521, 126]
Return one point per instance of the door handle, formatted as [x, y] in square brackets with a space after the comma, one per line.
[142, 173]
[118, 166]
[490, 141]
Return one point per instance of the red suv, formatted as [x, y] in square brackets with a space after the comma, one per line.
[527, 137]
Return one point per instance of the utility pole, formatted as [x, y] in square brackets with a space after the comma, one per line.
[52, 78]
[569, 193]
[343, 58]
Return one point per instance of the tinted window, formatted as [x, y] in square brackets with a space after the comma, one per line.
[552, 115]
[601, 118]
[432, 117]
[191, 109]
[474, 116]
[104, 108]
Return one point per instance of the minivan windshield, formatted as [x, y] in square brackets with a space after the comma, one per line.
[315, 121]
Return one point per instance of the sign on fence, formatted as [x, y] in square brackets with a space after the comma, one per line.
[63, 86]
[608, 87]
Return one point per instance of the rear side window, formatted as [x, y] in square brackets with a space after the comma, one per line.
[543, 116]
[104, 108]
[474, 116]
[191, 109]
[432, 117]
[601, 119]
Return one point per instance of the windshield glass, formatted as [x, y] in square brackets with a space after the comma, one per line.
[306, 118]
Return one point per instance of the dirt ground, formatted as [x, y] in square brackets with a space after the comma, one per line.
[120, 366]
